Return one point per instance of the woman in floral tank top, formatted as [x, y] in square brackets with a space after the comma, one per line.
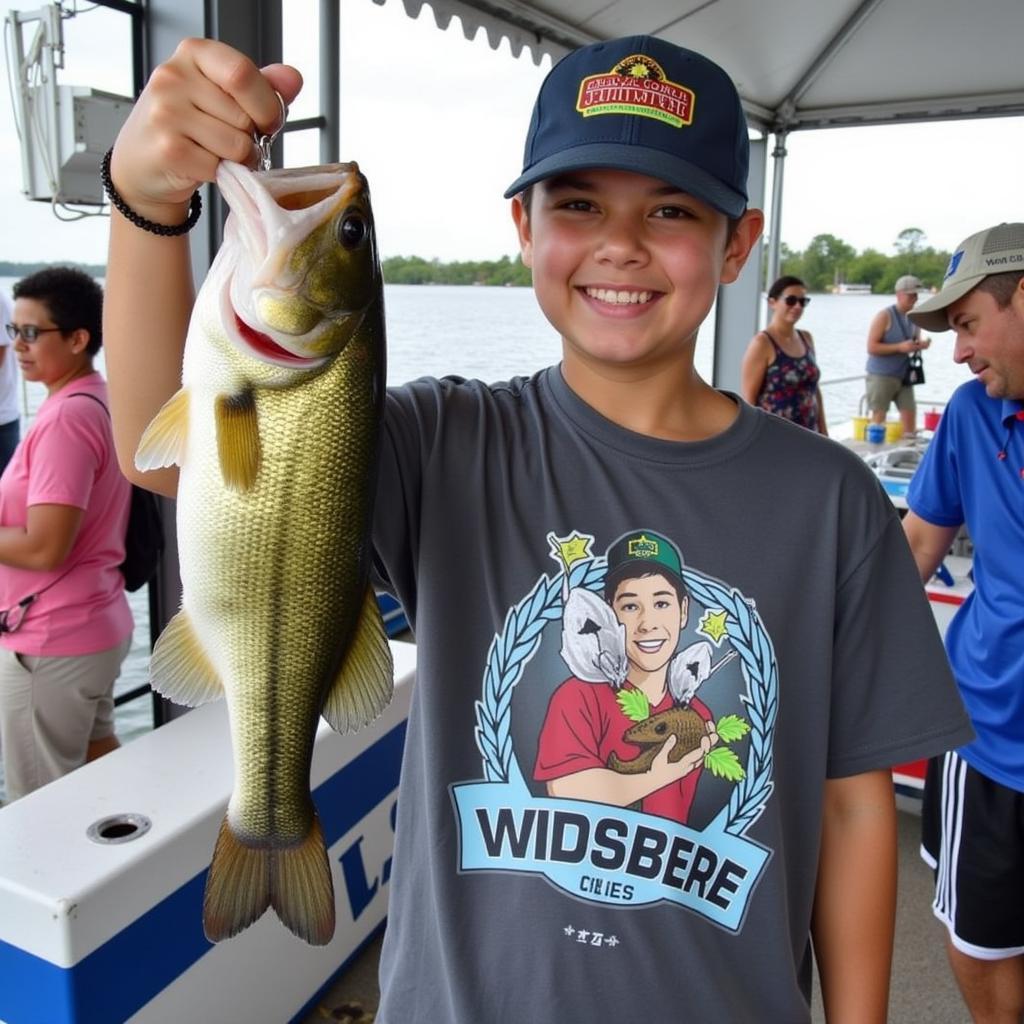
[779, 371]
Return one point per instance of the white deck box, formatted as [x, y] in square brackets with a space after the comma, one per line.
[98, 933]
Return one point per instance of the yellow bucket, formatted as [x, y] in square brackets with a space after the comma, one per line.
[893, 431]
[860, 421]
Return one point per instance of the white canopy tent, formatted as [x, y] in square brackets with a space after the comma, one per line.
[797, 63]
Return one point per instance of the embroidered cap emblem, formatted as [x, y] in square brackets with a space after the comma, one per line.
[643, 547]
[637, 85]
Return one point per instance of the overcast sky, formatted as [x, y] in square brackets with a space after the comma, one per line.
[437, 124]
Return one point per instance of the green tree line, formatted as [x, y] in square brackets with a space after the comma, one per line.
[10, 269]
[416, 270]
[828, 260]
[825, 262]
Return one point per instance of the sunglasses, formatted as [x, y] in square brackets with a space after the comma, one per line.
[28, 331]
[793, 300]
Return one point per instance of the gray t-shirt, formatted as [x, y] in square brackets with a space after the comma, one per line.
[820, 659]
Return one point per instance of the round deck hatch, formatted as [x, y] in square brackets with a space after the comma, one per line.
[118, 828]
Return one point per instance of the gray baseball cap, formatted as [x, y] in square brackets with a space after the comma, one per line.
[908, 283]
[996, 250]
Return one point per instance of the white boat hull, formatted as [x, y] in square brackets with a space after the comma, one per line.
[98, 933]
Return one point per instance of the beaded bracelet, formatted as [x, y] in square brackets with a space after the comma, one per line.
[195, 206]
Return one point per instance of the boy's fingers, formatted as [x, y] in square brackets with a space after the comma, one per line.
[199, 107]
[252, 91]
[285, 79]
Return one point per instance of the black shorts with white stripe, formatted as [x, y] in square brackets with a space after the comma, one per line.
[972, 836]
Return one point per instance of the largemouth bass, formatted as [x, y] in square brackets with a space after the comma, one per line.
[275, 429]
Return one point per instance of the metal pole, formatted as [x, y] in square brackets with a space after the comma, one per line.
[330, 91]
[775, 224]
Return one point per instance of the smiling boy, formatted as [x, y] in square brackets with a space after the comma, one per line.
[505, 905]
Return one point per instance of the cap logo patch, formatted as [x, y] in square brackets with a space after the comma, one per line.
[637, 85]
[643, 547]
[954, 262]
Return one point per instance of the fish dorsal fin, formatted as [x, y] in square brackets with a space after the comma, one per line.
[179, 668]
[163, 441]
[238, 440]
[364, 684]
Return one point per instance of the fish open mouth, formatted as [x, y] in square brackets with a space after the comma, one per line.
[265, 346]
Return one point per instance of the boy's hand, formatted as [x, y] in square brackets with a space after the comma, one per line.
[663, 771]
[198, 108]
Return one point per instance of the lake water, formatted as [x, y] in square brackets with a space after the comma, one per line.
[497, 333]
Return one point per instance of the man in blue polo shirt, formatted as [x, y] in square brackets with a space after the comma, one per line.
[973, 473]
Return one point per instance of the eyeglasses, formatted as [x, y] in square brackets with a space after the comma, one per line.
[793, 300]
[28, 331]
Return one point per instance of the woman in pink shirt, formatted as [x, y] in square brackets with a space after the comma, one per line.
[65, 624]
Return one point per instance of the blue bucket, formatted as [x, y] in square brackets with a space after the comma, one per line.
[875, 433]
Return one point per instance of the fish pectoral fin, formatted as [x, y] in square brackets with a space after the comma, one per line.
[238, 440]
[364, 684]
[163, 442]
[179, 668]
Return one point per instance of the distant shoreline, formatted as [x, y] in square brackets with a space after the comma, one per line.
[20, 270]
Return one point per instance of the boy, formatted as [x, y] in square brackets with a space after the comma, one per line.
[508, 905]
[973, 472]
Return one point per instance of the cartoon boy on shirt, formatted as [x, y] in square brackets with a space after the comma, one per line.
[638, 624]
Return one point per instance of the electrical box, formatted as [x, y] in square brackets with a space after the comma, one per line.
[64, 140]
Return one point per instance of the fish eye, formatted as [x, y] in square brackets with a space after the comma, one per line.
[353, 229]
[661, 728]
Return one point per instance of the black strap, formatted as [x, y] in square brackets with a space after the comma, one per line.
[85, 394]
[30, 599]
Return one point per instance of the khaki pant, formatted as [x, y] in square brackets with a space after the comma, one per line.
[50, 708]
[882, 391]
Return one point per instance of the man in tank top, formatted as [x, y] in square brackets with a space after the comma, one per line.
[891, 339]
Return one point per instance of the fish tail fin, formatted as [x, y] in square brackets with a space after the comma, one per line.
[237, 886]
[244, 881]
[163, 441]
[301, 890]
[364, 684]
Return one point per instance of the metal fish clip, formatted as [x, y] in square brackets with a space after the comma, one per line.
[264, 141]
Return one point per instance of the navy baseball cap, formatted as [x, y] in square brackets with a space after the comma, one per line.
[646, 105]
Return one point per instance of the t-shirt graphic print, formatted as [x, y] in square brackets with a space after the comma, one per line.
[625, 728]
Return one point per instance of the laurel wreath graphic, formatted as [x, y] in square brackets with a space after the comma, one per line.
[515, 645]
[754, 647]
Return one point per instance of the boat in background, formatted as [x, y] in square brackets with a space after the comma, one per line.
[850, 288]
